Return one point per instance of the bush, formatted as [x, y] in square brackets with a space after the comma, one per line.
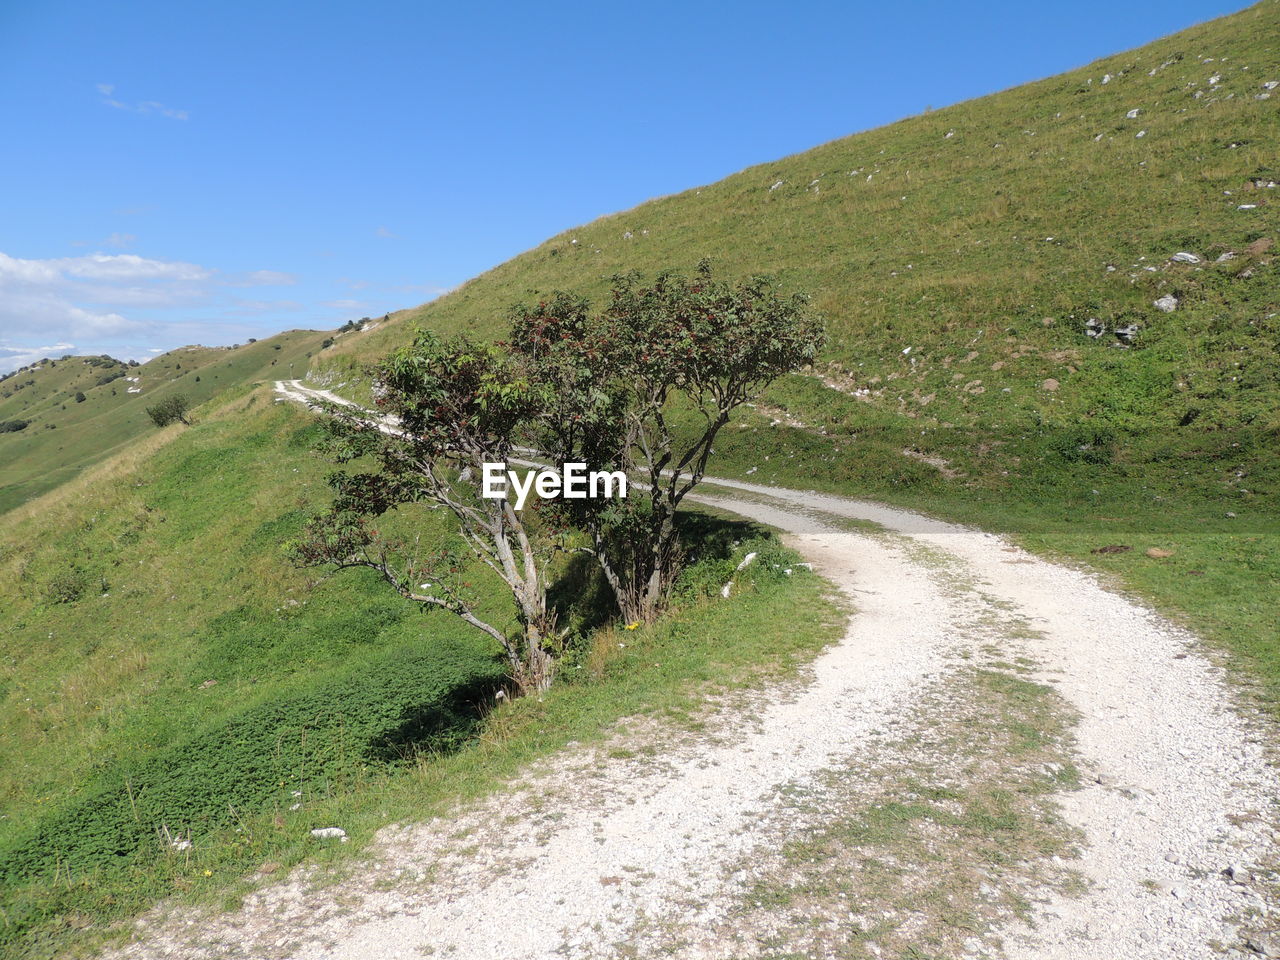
[67, 586]
[80, 397]
[169, 410]
[329, 731]
[13, 426]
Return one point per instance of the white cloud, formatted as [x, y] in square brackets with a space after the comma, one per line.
[142, 106]
[121, 240]
[384, 232]
[96, 299]
[11, 358]
[261, 278]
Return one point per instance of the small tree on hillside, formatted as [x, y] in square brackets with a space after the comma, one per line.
[171, 409]
[452, 407]
[617, 379]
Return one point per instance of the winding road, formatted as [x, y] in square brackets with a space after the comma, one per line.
[1171, 821]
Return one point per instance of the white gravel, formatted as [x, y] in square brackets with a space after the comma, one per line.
[1185, 789]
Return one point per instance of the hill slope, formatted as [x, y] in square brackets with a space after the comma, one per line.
[965, 257]
[65, 434]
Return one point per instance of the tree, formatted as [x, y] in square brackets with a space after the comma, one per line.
[80, 397]
[615, 380]
[447, 408]
[169, 410]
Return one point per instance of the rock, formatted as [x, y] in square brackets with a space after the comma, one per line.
[1051, 385]
[1224, 257]
[1238, 873]
[1272, 84]
[1158, 553]
[1140, 134]
[1247, 206]
[330, 833]
[1167, 304]
[1094, 327]
[777, 185]
[1184, 256]
[1132, 114]
[1264, 944]
[1127, 333]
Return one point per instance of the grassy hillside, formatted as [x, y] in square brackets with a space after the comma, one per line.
[65, 434]
[960, 254]
[963, 258]
[168, 678]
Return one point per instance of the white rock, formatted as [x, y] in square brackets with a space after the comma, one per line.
[1140, 134]
[330, 833]
[1184, 256]
[1214, 80]
[1132, 114]
[1247, 206]
[1168, 303]
[1106, 78]
[777, 185]
[1272, 84]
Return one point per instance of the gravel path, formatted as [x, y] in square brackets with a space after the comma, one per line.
[1177, 784]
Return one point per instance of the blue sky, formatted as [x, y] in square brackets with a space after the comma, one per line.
[205, 172]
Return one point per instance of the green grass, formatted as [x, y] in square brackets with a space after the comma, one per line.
[166, 675]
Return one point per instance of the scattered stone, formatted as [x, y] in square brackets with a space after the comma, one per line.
[1132, 114]
[1238, 873]
[1050, 385]
[330, 833]
[1264, 944]
[1184, 256]
[1166, 304]
[1094, 327]
[1158, 553]
[1127, 333]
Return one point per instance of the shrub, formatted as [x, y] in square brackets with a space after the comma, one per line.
[13, 426]
[80, 397]
[66, 586]
[169, 410]
[320, 736]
